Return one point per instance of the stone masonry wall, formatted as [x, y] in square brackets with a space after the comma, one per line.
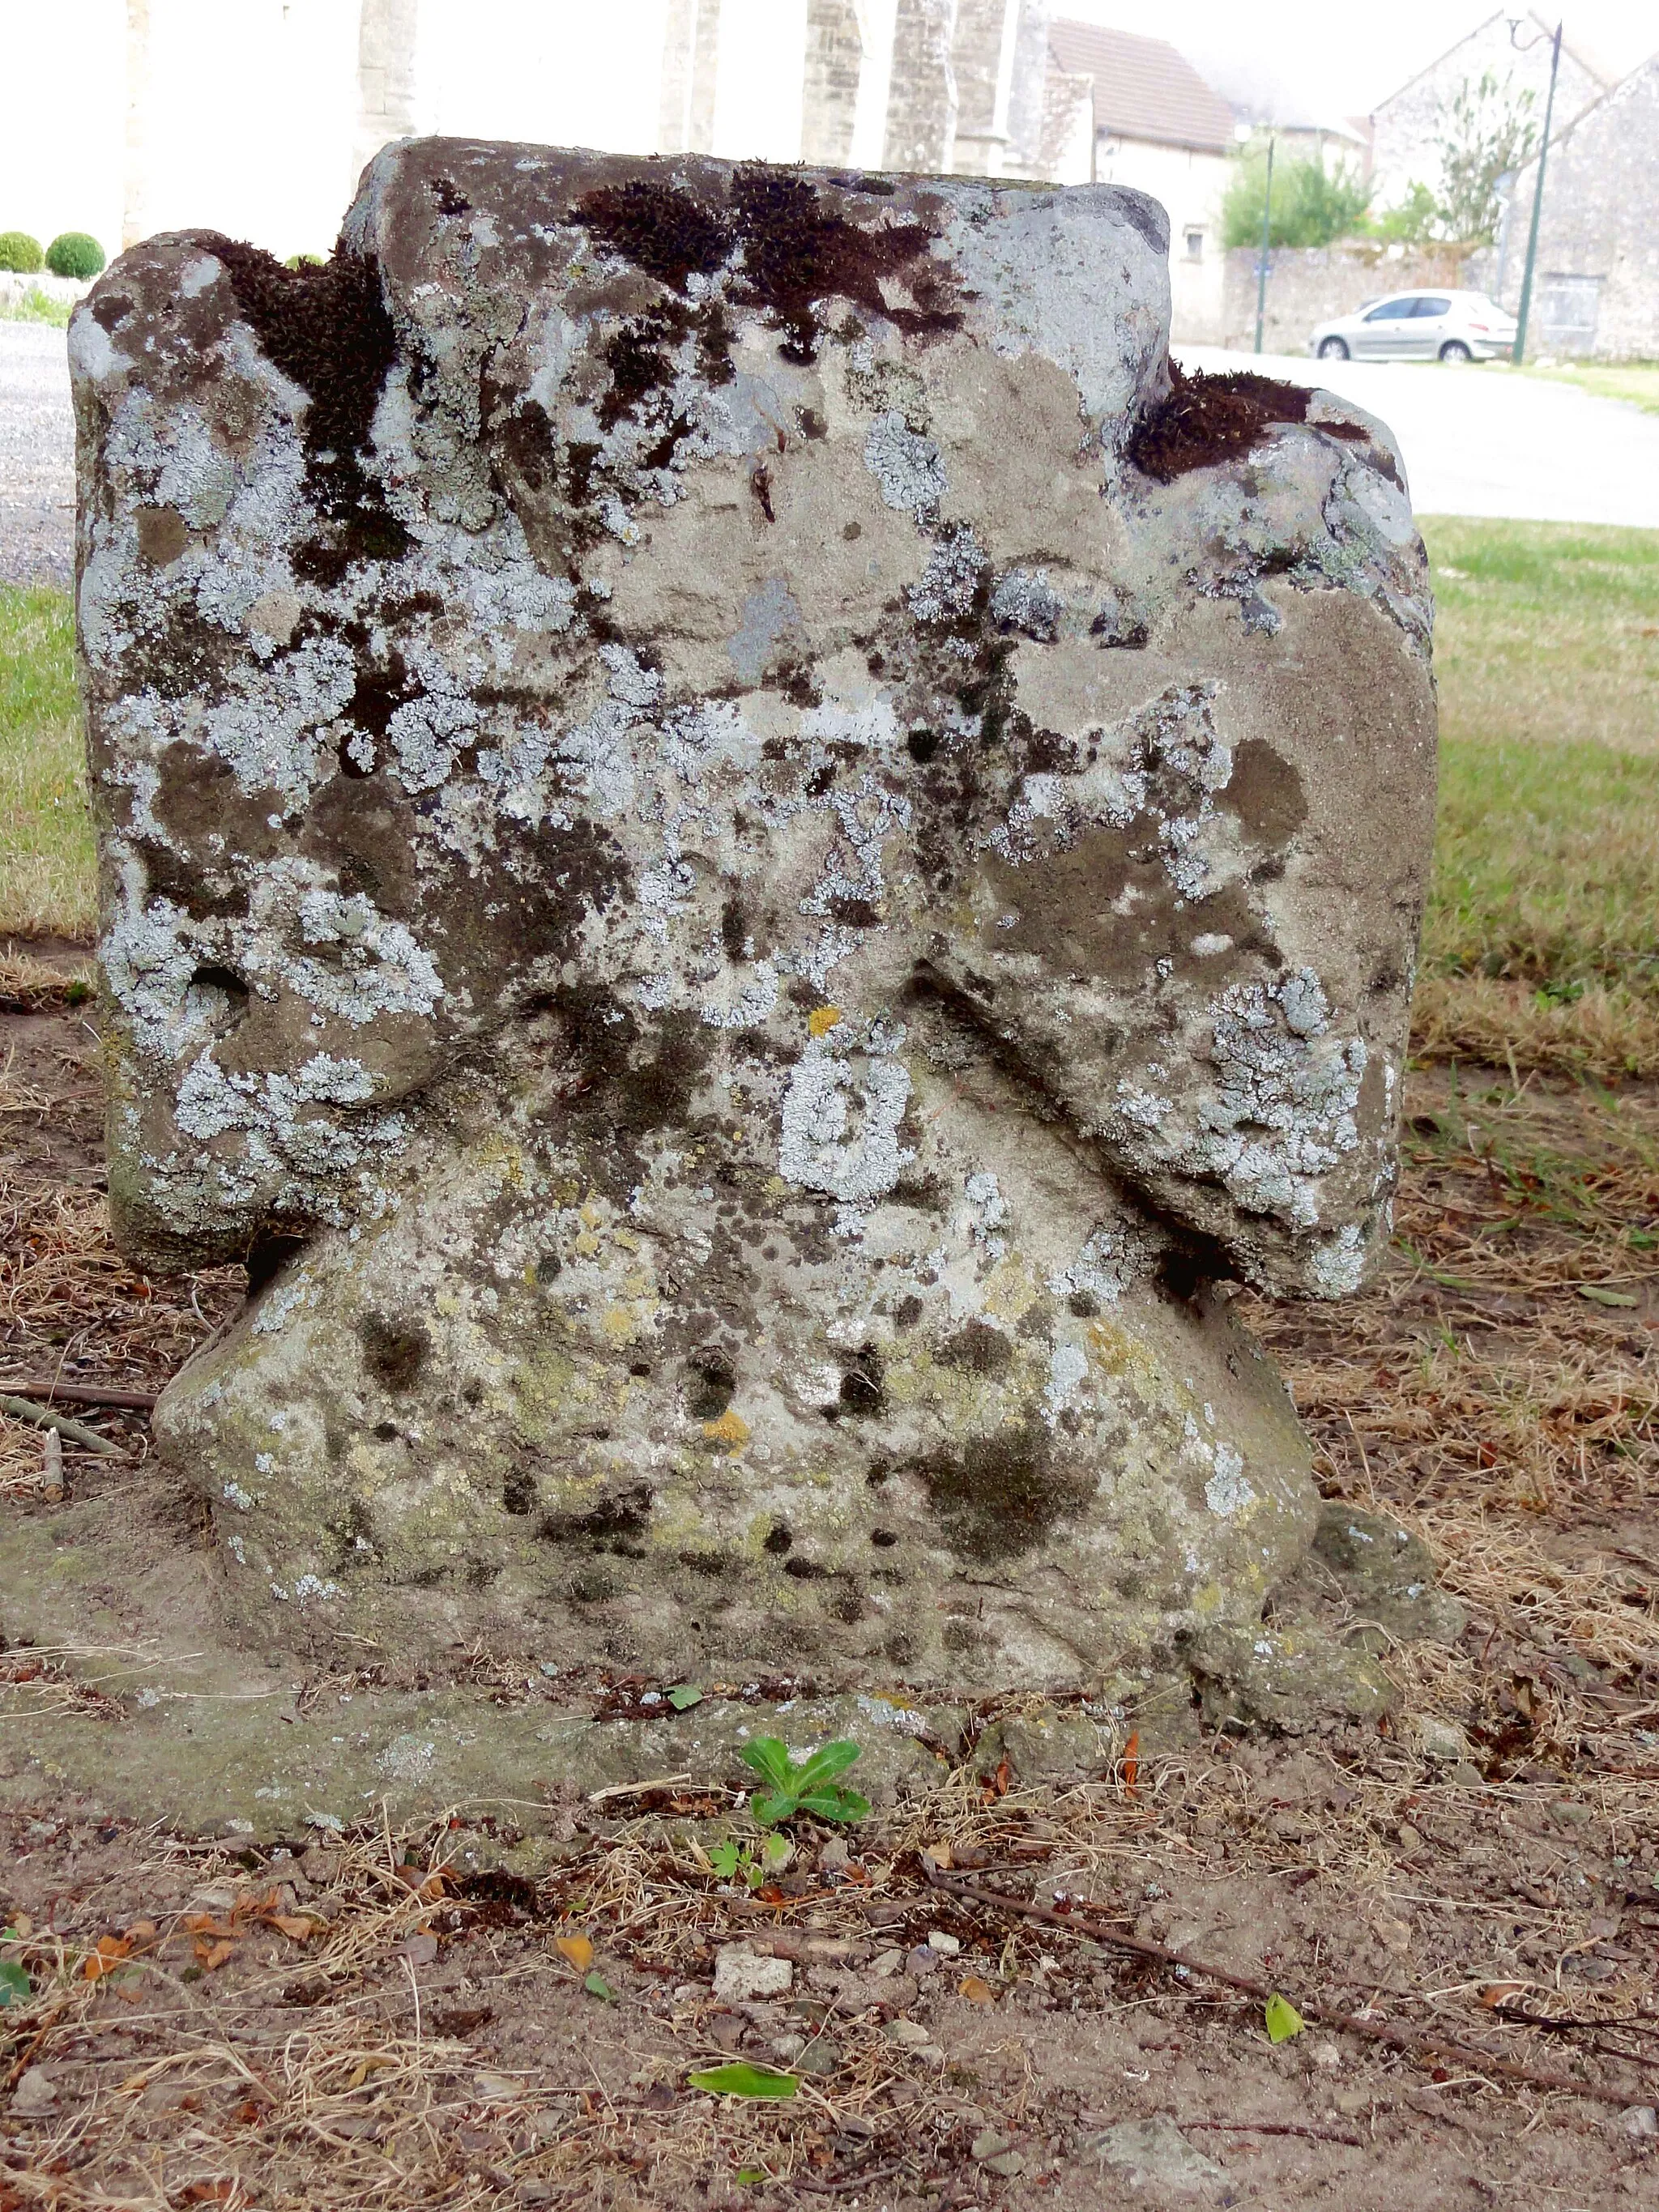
[1307, 285]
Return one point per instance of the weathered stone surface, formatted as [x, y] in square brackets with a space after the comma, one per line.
[745, 861]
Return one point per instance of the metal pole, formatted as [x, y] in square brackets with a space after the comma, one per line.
[1266, 232]
[1520, 352]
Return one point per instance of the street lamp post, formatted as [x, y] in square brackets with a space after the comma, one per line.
[1519, 353]
[1267, 233]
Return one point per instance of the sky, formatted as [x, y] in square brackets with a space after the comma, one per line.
[1336, 60]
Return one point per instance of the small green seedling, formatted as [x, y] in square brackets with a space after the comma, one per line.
[736, 1862]
[683, 1696]
[13, 1981]
[811, 1787]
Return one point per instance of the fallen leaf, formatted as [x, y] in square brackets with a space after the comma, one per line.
[741, 2080]
[210, 2192]
[940, 1853]
[112, 1949]
[142, 1931]
[1499, 1993]
[977, 1990]
[1132, 1764]
[577, 1948]
[1598, 1295]
[294, 1925]
[684, 1697]
[1283, 2020]
[372, 2062]
[211, 1956]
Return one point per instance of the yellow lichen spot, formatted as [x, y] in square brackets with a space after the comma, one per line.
[729, 1433]
[822, 1020]
[587, 1244]
[1207, 1602]
[619, 1325]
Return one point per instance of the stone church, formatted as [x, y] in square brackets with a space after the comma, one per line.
[263, 131]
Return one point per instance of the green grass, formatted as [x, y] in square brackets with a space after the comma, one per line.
[1636, 381]
[37, 307]
[46, 868]
[1541, 942]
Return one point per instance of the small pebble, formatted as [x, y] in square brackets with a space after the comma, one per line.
[938, 1941]
[34, 2093]
[742, 1975]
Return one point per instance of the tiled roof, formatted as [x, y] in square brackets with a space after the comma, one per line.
[1143, 88]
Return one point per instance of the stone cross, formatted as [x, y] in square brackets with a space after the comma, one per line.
[751, 857]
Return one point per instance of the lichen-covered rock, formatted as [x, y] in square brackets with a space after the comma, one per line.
[745, 854]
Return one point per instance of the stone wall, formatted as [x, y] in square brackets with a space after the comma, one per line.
[1307, 285]
[834, 61]
[1596, 292]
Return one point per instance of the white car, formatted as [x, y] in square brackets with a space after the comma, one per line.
[1419, 326]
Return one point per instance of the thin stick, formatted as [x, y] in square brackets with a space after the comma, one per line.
[24, 1409]
[89, 1394]
[1417, 2042]
[1275, 2128]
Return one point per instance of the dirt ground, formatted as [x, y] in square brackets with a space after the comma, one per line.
[469, 2014]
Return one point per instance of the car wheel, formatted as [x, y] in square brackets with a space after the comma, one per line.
[1455, 350]
[1333, 350]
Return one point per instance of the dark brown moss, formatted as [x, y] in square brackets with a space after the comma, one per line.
[326, 326]
[799, 248]
[661, 228]
[1205, 419]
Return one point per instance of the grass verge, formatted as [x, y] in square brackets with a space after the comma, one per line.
[47, 879]
[1635, 380]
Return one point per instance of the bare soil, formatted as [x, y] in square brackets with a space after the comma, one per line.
[416, 2019]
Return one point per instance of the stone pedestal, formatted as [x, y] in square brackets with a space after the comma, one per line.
[749, 859]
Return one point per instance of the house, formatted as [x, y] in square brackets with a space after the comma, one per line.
[1595, 291]
[1156, 125]
[1407, 128]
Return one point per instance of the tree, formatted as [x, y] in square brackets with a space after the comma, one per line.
[1486, 131]
[1414, 221]
[1309, 207]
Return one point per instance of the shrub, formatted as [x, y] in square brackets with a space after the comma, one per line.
[1309, 207]
[20, 252]
[304, 261]
[72, 253]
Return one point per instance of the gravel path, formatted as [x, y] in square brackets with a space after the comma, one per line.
[37, 457]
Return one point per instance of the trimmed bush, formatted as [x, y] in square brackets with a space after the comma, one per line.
[20, 252]
[72, 253]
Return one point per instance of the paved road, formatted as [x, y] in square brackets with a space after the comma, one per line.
[1476, 441]
[37, 456]
[1481, 441]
